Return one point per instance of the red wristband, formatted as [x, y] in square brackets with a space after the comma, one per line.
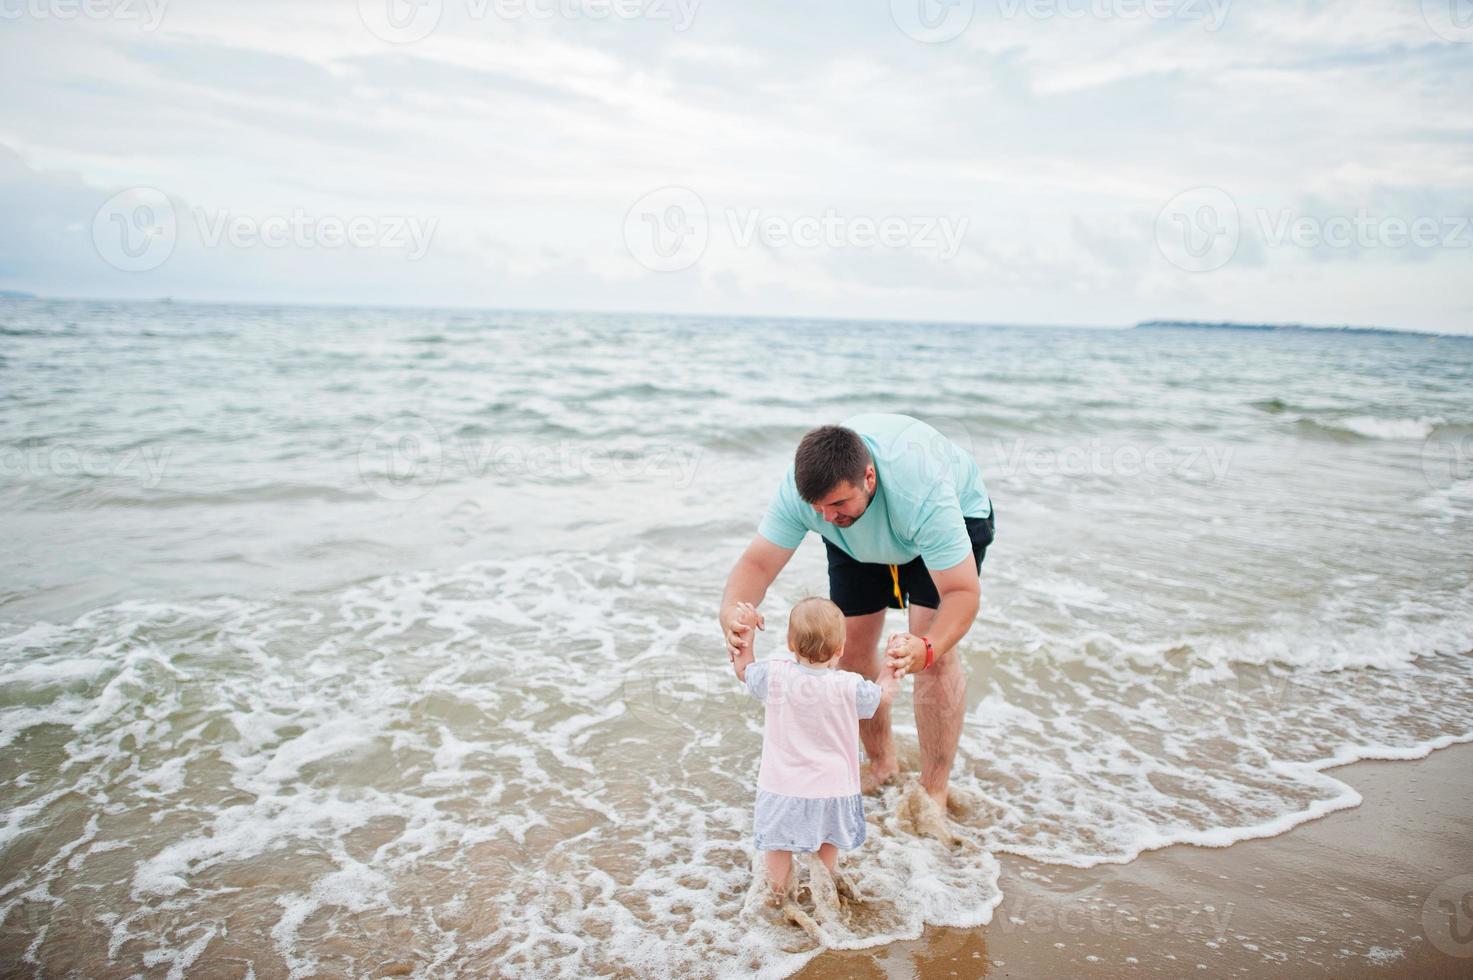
[930, 653]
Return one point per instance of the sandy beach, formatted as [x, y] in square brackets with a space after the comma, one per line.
[1342, 896]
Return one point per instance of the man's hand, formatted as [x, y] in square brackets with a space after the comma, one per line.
[745, 586]
[741, 629]
[905, 653]
[744, 618]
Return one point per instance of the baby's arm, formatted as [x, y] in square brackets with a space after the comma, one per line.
[741, 662]
[889, 683]
[871, 695]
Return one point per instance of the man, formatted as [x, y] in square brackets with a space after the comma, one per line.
[906, 520]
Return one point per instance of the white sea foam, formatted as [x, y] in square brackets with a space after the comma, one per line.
[50, 672]
[538, 769]
[1383, 956]
[1381, 428]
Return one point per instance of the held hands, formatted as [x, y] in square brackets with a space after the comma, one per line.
[739, 636]
[739, 631]
[905, 653]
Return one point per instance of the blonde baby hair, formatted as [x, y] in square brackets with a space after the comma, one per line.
[816, 629]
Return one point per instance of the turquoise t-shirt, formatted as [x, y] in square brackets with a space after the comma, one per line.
[926, 485]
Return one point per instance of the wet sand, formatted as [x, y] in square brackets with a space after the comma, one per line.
[1381, 890]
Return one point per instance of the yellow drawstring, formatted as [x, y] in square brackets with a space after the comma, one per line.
[895, 575]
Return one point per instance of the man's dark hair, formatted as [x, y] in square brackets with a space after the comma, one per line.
[828, 456]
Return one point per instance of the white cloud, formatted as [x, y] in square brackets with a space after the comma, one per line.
[526, 142]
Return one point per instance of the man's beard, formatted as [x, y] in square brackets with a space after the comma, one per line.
[847, 521]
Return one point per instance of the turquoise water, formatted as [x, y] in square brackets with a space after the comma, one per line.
[336, 638]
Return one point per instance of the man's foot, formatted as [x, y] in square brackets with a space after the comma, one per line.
[872, 776]
[926, 817]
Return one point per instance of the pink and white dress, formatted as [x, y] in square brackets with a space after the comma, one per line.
[808, 786]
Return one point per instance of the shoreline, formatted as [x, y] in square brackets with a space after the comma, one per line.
[1357, 892]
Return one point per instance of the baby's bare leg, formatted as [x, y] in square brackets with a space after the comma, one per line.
[779, 863]
[828, 854]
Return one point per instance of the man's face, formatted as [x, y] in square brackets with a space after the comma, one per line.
[846, 503]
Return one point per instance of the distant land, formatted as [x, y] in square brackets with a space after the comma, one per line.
[1283, 328]
[18, 294]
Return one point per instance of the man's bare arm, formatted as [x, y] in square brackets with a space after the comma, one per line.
[961, 596]
[754, 571]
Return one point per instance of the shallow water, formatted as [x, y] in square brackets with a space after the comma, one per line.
[382, 641]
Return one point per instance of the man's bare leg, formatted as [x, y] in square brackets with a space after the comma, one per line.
[941, 702]
[862, 655]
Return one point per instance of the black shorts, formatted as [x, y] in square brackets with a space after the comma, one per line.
[860, 588]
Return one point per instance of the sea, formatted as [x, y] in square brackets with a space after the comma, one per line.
[341, 641]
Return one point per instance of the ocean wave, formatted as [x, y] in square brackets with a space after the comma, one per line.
[1378, 428]
[1342, 425]
[1356, 427]
[1408, 631]
[755, 440]
[1273, 406]
[643, 390]
[103, 495]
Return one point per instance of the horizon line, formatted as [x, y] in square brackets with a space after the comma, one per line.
[1153, 322]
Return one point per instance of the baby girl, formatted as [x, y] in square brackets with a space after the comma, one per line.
[808, 786]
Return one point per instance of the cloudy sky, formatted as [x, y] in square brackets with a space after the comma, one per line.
[1018, 161]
